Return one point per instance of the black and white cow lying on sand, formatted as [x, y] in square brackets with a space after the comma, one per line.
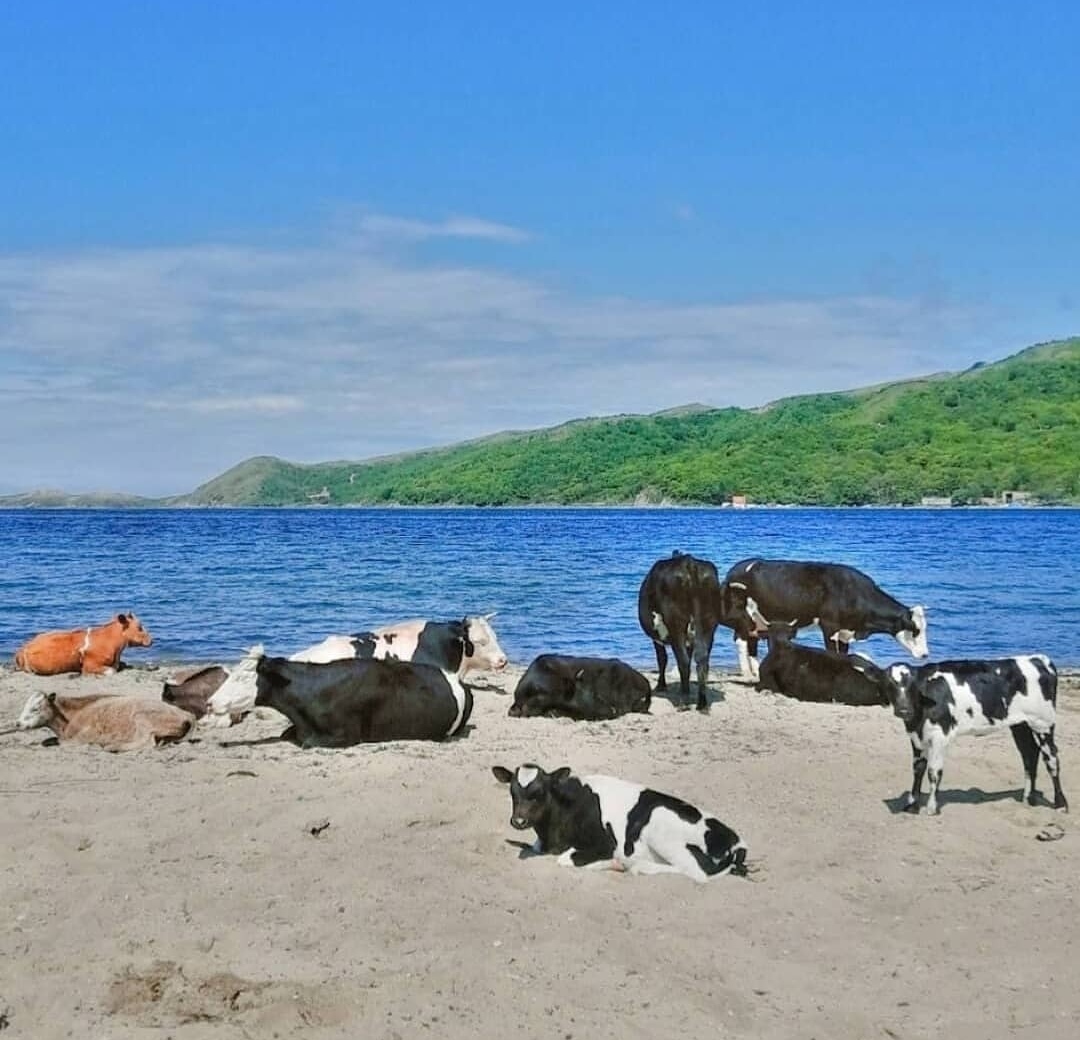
[808, 674]
[457, 646]
[607, 824]
[452, 646]
[846, 603]
[580, 688]
[679, 606]
[342, 703]
[951, 698]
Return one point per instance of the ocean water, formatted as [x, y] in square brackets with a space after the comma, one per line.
[208, 583]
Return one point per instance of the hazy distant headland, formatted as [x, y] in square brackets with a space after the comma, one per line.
[1006, 431]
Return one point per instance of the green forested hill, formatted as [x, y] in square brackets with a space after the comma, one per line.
[1014, 424]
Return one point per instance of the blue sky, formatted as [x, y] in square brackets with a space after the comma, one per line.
[329, 230]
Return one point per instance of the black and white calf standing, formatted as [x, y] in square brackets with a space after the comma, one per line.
[603, 823]
[951, 698]
[808, 674]
[794, 594]
[580, 688]
[342, 703]
[679, 606]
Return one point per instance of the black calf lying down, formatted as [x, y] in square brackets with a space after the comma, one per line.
[817, 675]
[955, 697]
[359, 701]
[581, 688]
[607, 824]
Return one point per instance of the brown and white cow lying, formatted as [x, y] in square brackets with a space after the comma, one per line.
[116, 723]
[92, 651]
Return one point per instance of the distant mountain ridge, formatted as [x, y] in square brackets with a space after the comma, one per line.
[1011, 425]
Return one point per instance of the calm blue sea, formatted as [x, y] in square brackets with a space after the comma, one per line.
[207, 583]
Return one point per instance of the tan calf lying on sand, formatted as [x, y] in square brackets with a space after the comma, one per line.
[113, 722]
[92, 651]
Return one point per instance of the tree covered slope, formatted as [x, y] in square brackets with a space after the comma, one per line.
[1014, 424]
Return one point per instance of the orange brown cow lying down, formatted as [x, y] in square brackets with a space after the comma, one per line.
[92, 651]
[116, 723]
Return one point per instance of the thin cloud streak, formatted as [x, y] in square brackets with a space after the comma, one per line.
[352, 346]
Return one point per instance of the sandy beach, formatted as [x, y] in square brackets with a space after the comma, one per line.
[228, 888]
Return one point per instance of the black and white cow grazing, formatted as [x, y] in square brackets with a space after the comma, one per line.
[955, 697]
[353, 702]
[846, 603]
[817, 675]
[608, 824]
[679, 606]
[580, 688]
[455, 646]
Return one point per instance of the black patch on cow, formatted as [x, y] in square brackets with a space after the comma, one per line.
[642, 811]
[363, 644]
[444, 644]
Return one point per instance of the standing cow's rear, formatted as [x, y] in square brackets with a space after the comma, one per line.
[678, 606]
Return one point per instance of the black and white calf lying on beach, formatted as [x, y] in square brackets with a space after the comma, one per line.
[807, 674]
[793, 594]
[353, 702]
[580, 688]
[603, 823]
[951, 698]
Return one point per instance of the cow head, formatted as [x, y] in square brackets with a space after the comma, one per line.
[134, 633]
[37, 711]
[482, 648]
[900, 688]
[531, 791]
[912, 636]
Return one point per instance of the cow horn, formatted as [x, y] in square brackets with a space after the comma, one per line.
[736, 585]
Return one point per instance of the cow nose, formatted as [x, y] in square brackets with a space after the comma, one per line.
[519, 823]
[500, 663]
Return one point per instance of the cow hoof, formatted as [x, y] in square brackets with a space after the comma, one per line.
[1061, 805]
[1032, 798]
[912, 807]
[703, 708]
[682, 706]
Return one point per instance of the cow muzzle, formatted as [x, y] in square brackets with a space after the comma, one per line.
[519, 823]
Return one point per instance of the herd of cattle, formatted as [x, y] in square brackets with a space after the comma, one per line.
[407, 682]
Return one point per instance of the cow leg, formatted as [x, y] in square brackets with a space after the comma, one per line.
[1050, 756]
[747, 650]
[682, 660]
[703, 642]
[935, 768]
[661, 666]
[1029, 752]
[918, 771]
[837, 639]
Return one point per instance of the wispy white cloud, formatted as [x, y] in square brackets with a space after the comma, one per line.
[349, 346]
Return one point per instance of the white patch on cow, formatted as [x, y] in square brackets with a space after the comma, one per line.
[459, 696]
[753, 611]
[750, 567]
[85, 643]
[658, 624]
[755, 669]
[332, 648]
[915, 644]
[1031, 706]
[237, 693]
[843, 635]
[526, 775]
[35, 713]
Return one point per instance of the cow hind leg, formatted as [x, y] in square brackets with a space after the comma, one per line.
[682, 661]
[1029, 752]
[702, 649]
[1049, 752]
[661, 666]
[935, 770]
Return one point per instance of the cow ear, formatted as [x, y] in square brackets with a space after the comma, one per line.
[488, 617]
[502, 774]
[123, 619]
[51, 698]
[563, 773]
